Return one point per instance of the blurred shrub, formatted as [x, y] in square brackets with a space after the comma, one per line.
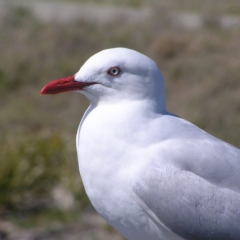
[169, 45]
[30, 169]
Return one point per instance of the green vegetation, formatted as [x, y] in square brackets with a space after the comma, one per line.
[28, 169]
[37, 143]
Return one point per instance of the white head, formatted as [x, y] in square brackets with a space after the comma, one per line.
[117, 74]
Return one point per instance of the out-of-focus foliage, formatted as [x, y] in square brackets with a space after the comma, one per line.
[30, 168]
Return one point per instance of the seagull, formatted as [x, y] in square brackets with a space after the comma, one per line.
[149, 173]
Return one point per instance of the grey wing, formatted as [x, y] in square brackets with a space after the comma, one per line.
[189, 205]
[189, 148]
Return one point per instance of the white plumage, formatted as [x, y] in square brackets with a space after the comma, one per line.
[149, 173]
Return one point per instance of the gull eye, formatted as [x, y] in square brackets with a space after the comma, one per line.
[114, 71]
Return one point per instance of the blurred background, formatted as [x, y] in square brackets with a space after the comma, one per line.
[196, 44]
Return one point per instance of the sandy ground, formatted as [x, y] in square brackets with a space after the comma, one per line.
[90, 227]
[48, 11]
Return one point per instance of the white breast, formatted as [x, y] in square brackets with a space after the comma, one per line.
[109, 163]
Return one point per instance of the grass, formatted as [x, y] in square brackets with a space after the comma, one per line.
[37, 150]
[28, 169]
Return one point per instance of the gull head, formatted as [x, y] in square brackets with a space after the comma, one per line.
[113, 75]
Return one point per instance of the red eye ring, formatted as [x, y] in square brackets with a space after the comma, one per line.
[114, 71]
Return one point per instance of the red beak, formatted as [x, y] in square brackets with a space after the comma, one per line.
[64, 85]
